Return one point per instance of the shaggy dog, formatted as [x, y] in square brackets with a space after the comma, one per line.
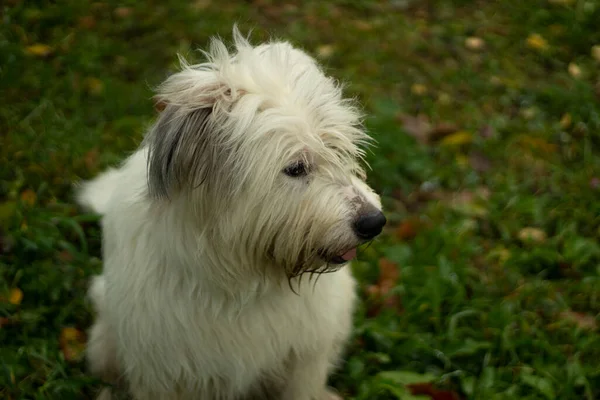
[247, 185]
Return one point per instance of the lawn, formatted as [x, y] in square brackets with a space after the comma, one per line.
[486, 283]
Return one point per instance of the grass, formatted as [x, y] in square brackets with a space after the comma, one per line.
[486, 284]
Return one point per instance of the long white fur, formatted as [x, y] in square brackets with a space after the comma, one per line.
[194, 300]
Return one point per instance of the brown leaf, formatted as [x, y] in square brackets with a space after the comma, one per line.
[427, 389]
[28, 197]
[479, 162]
[90, 159]
[531, 235]
[72, 343]
[442, 130]
[408, 229]
[123, 12]
[581, 320]
[87, 22]
[379, 293]
[418, 127]
[487, 132]
[65, 256]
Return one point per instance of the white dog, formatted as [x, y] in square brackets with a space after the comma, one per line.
[249, 180]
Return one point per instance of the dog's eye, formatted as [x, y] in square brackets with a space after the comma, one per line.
[296, 170]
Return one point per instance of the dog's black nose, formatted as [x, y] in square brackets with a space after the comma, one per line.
[369, 225]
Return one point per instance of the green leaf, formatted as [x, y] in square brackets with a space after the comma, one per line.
[406, 377]
[542, 385]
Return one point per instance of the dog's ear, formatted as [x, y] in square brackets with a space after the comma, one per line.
[181, 150]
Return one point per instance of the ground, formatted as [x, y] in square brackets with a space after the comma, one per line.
[486, 283]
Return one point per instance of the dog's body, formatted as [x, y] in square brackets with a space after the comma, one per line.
[248, 181]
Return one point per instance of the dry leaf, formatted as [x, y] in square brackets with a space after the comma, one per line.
[531, 235]
[16, 296]
[28, 197]
[363, 25]
[325, 51]
[418, 127]
[574, 70]
[537, 42]
[427, 389]
[72, 343]
[418, 89]
[90, 159]
[388, 278]
[39, 50]
[596, 52]
[487, 132]
[479, 162]
[537, 144]
[87, 22]
[565, 121]
[94, 86]
[583, 321]
[123, 12]
[474, 43]
[457, 139]
[442, 130]
[408, 229]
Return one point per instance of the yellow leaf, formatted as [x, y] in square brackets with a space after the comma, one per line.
[418, 89]
[16, 296]
[537, 42]
[566, 121]
[538, 144]
[72, 343]
[325, 51]
[474, 43]
[532, 235]
[574, 70]
[28, 197]
[39, 50]
[94, 86]
[596, 52]
[457, 139]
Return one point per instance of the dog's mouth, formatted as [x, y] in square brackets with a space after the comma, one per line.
[340, 258]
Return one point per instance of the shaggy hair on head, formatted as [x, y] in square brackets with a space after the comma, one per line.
[250, 177]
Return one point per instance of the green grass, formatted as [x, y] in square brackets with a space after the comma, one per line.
[472, 307]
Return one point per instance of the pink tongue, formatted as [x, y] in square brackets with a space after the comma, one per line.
[349, 255]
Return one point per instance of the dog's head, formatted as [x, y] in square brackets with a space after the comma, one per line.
[266, 154]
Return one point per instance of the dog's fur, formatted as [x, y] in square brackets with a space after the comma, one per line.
[207, 243]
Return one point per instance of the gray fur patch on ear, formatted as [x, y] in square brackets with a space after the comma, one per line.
[181, 151]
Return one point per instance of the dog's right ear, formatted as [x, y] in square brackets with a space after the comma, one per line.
[182, 150]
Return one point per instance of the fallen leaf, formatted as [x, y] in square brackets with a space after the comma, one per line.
[408, 229]
[39, 50]
[16, 296]
[199, 5]
[418, 127]
[418, 89]
[474, 43]
[595, 183]
[457, 139]
[565, 121]
[325, 51]
[479, 162]
[28, 197]
[583, 321]
[487, 131]
[532, 235]
[596, 52]
[379, 292]
[427, 389]
[574, 70]
[363, 25]
[444, 99]
[72, 344]
[94, 86]
[470, 203]
[537, 42]
[87, 22]
[90, 159]
[538, 144]
[442, 130]
[123, 12]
